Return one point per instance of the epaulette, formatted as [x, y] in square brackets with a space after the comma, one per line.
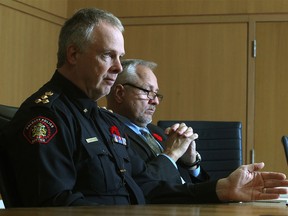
[104, 108]
[45, 98]
[110, 113]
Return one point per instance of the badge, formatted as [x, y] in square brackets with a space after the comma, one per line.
[40, 130]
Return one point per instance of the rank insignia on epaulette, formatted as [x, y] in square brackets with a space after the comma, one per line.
[111, 111]
[119, 139]
[44, 98]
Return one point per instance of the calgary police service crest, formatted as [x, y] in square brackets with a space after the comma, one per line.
[40, 130]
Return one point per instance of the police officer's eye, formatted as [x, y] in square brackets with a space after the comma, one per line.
[105, 55]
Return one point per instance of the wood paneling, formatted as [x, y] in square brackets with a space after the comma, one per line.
[28, 50]
[195, 63]
[202, 69]
[56, 7]
[144, 8]
[32, 10]
[271, 94]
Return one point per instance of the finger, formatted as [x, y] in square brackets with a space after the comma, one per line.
[187, 132]
[195, 136]
[273, 175]
[275, 190]
[193, 145]
[182, 128]
[172, 128]
[275, 183]
[255, 166]
[266, 196]
[175, 126]
[167, 130]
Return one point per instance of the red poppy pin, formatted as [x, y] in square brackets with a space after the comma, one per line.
[116, 136]
[157, 137]
[114, 130]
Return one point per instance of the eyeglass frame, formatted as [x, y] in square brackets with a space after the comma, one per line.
[148, 92]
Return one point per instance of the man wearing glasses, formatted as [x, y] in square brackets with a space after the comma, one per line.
[135, 96]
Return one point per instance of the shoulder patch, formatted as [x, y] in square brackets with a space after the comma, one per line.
[40, 130]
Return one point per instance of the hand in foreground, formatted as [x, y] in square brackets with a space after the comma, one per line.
[179, 138]
[247, 184]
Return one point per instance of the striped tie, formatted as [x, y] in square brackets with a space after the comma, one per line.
[151, 142]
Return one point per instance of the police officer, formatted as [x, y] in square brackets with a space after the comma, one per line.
[64, 150]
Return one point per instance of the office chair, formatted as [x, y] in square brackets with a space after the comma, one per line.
[6, 114]
[219, 144]
[285, 145]
[7, 186]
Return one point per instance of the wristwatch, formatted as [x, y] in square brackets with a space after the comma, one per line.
[197, 161]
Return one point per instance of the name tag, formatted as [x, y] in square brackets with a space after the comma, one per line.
[92, 139]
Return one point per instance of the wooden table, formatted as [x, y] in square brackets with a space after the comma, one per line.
[238, 209]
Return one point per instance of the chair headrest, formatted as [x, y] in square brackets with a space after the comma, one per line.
[7, 111]
[6, 114]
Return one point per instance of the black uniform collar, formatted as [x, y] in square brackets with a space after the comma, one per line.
[83, 102]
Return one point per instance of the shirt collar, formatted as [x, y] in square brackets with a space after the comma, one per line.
[131, 125]
[82, 101]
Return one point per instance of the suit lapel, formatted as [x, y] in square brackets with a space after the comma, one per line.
[135, 138]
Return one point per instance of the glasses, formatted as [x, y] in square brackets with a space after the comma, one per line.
[150, 94]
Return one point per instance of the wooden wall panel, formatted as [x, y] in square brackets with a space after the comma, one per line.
[144, 8]
[271, 100]
[196, 67]
[56, 7]
[202, 69]
[28, 50]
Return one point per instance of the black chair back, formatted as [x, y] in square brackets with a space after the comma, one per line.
[285, 145]
[219, 143]
[7, 187]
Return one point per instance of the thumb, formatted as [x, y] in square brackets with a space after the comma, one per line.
[256, 166]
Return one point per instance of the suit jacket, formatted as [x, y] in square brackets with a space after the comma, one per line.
[161, 166]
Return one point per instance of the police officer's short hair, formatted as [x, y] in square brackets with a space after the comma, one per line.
[77, 30]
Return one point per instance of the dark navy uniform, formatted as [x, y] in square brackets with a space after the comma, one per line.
[67, 151]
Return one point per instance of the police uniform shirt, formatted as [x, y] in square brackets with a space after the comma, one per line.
[67, 151]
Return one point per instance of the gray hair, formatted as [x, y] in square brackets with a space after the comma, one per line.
[77, 30]
[129, 74]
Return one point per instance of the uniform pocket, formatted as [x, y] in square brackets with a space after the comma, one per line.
[99, 171]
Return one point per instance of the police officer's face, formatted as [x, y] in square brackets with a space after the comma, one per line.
[138, 107]
[99, 65]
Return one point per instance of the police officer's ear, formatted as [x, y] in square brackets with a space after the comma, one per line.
[71, 55]
[119, 93]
